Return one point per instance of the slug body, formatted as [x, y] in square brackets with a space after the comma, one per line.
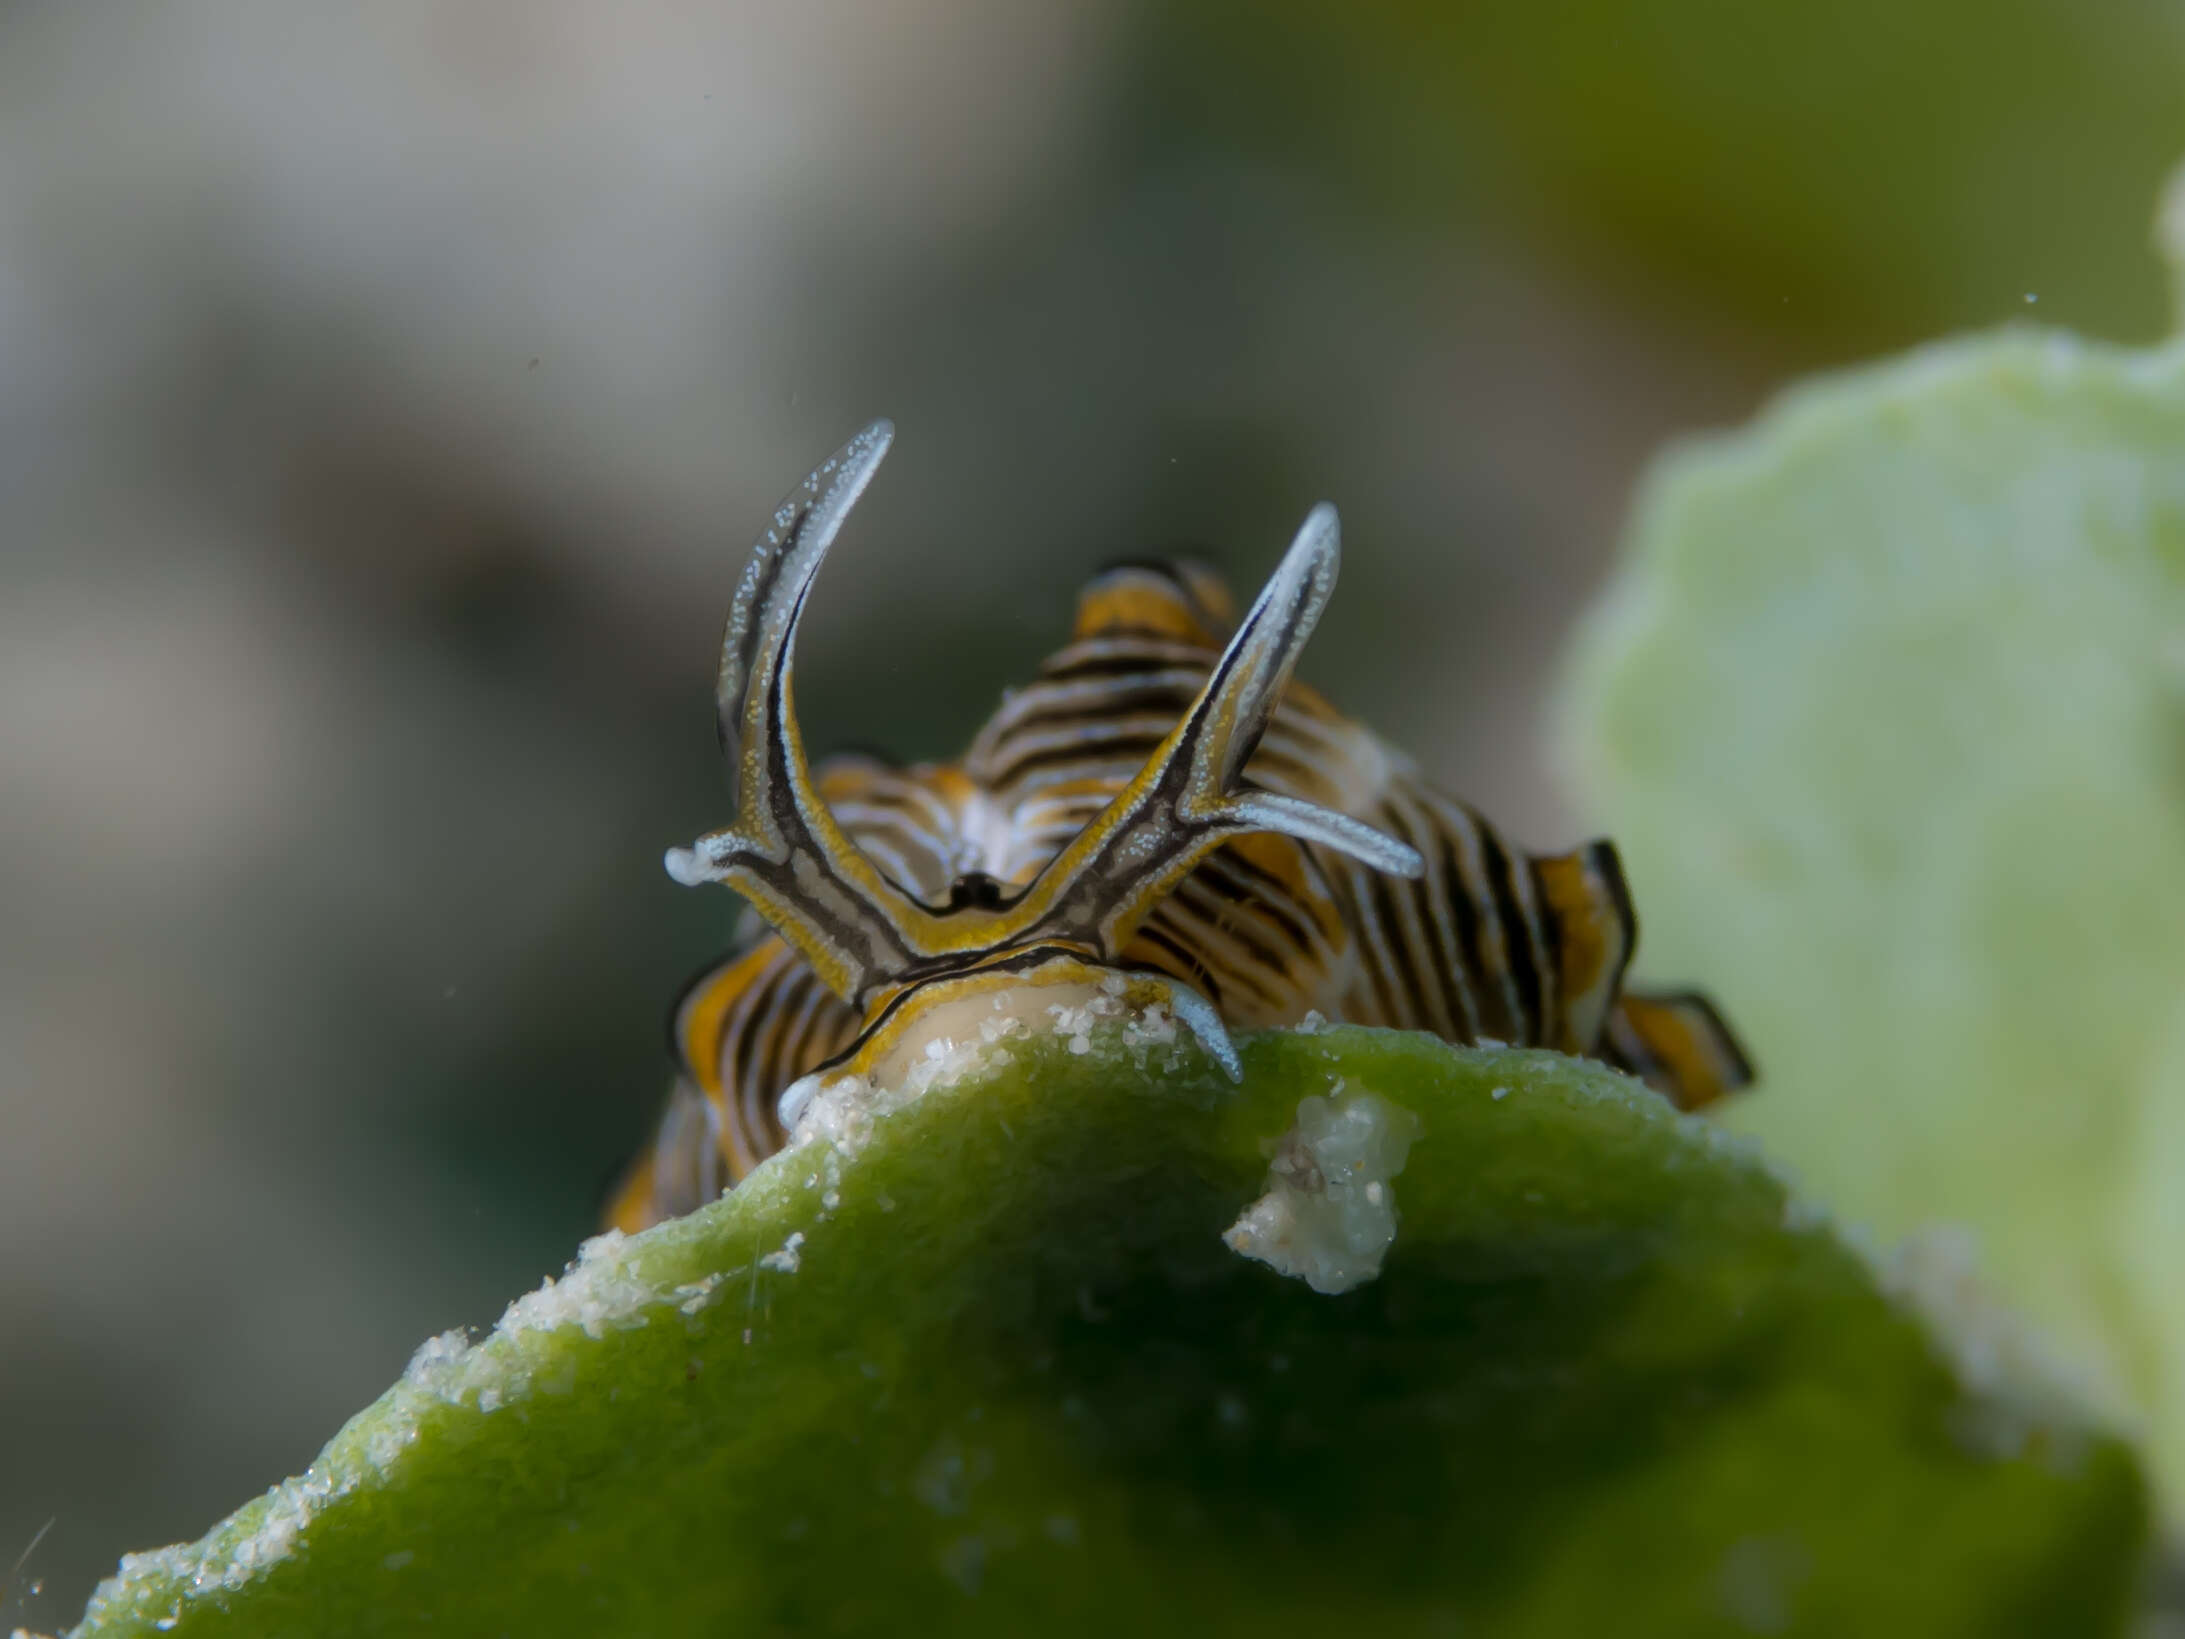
[1161, 811]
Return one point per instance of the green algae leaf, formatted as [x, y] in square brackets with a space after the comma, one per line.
[985, 1364]
[1888, 716]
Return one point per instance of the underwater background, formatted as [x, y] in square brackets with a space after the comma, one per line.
[387, 399]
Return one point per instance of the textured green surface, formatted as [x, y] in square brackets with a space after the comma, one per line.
[1888, 715]
[1609, 1381]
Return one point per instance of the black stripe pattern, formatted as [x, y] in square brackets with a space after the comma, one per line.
[1489, 944]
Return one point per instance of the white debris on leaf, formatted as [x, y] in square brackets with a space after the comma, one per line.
[785, 1260]
[607, 1289]
[831, 1118]
[839, 1113]
[1329, 1214]
[836, 1115]
[223, 1567]
[834, 1124]
[697, 1295]
[603, 1291]
[2017, 1382]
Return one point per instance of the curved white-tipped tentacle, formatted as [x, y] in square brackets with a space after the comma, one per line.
[1185, 803]
[785, 852]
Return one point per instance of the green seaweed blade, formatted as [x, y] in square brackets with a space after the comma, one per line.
[996, 1372]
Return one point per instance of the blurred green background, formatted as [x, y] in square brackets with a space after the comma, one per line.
[388, 394]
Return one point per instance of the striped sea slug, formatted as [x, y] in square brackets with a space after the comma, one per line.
[1161, 813]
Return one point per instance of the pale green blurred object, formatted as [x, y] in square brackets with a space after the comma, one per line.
[987, 1367]
[2170, 240]
[1886, 710]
